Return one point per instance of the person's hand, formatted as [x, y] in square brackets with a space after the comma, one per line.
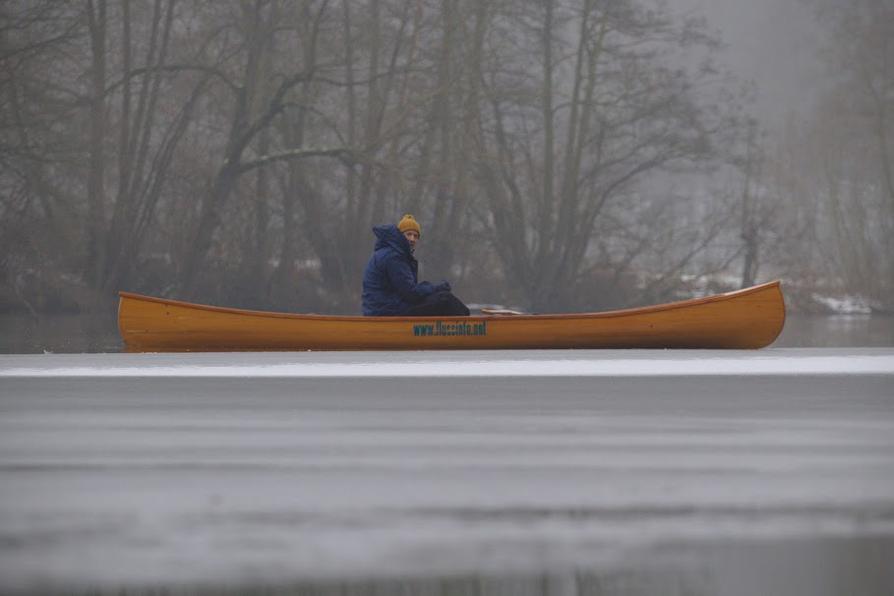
[443, 286]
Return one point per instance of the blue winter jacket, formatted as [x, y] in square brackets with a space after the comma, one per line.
[390, 284]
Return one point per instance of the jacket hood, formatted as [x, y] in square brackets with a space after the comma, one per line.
[389, 236]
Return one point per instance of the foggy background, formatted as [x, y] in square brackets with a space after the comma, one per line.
[238, 153]
[775, 43]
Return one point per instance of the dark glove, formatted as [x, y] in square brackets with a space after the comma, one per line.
[442, 287]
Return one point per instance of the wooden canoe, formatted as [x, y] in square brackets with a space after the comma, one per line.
[748, 318]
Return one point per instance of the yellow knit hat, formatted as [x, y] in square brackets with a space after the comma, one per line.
[408, 222]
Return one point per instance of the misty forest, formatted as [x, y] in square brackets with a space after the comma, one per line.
[560, 155]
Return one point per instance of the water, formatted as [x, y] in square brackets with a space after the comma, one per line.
[21, 334]
[702, 472]
[73, 334]
[836, 331]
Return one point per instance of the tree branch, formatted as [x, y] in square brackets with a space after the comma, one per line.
[346, 156]
[174, 68]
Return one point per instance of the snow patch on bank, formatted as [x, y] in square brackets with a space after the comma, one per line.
[845, 305]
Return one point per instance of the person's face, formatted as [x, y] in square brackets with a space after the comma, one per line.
[412, 237]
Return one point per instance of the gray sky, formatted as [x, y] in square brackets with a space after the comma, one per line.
[773, 43]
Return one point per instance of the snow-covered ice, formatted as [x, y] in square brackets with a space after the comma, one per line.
[527, 363]
[121, 469]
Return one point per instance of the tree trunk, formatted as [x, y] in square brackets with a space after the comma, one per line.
[96, 18]
[208, 223]
[243, 129]
[440, 239]
[136, 178]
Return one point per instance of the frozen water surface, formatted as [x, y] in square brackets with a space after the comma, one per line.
[136, 470]
[522, 363]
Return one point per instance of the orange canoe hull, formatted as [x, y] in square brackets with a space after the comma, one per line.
[745, 319]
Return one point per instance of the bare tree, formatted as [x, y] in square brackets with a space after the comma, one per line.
[851, 136]
[241, 151]
[605, 112]
[251, 112]
[97, 25]
[147, 138]
[42, 171]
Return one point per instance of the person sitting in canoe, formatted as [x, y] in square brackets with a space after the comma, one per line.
[390, 286]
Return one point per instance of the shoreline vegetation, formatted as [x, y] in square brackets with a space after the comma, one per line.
[562, 156]
[34, 295]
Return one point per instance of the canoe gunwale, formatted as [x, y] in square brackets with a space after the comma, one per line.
[564, 316]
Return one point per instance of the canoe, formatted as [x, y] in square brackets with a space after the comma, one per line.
[748, 318]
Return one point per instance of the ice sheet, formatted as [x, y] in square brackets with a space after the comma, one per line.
[125, 480]
[552, 363]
